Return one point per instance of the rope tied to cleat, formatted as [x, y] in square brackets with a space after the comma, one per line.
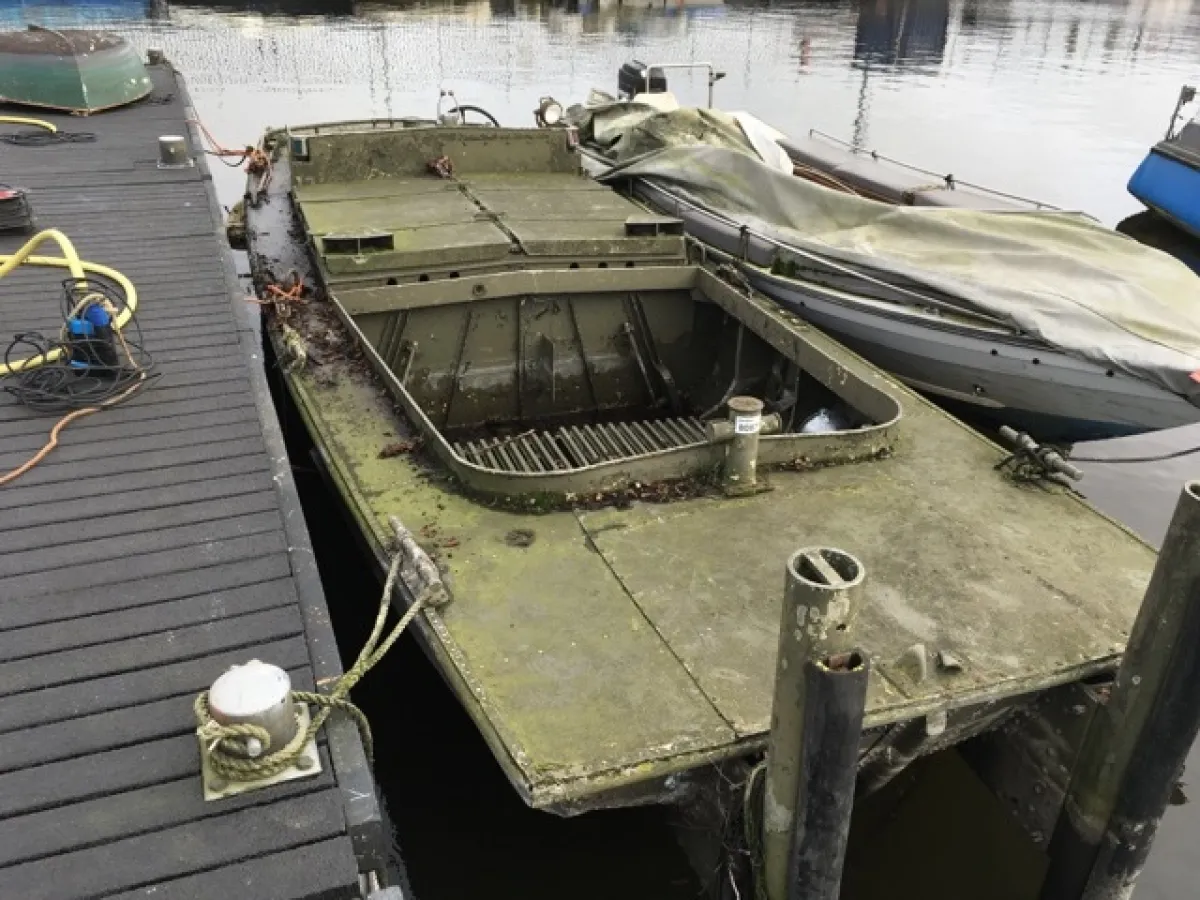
[228, 745]
[255, 159]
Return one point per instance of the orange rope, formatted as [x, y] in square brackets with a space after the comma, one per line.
[811, 174]
[50, 445]
[257, 161]
[294, 294]
[63, 423]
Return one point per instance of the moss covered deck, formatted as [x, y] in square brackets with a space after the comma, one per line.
[601, 649]
[624, 644]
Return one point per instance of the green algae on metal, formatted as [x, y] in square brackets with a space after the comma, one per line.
[633, 635]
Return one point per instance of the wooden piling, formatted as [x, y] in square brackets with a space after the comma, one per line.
[1135, 748]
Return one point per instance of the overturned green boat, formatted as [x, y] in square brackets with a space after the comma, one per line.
[70, 70]
[535, 378]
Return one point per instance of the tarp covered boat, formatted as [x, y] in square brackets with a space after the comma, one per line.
[72, 70]
[1073, 328]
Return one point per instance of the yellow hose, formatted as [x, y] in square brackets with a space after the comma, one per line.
[78, 268]
[36, 123]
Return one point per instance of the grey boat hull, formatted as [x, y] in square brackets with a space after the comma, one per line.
[986, 370]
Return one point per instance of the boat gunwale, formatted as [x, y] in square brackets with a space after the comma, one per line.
[840, 447]
[895, 310]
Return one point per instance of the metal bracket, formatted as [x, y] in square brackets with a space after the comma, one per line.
[307, 764]
[417, 570]
[1030, 461]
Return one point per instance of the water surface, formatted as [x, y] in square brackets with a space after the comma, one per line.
[1056, 99]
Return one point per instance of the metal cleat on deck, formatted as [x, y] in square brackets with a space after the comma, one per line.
[739, 474]
[1030, 461]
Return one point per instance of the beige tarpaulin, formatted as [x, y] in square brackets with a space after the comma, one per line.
[1059, 276]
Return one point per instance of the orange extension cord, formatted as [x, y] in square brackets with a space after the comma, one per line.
[63, 423]
[77, 414]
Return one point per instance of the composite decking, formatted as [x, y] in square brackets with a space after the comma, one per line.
[160, 543]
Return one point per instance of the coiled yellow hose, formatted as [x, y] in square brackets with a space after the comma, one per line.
[78, 268]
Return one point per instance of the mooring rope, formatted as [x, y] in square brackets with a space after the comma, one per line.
[752, 802]
[227, 743]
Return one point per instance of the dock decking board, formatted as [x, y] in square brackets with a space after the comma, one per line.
[159, 544]
[79, 699]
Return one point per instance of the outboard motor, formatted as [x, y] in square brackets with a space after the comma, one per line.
[631, 80]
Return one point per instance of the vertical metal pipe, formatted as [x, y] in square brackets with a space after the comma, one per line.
[741, 455]
[818, 605]
[834, 702]
[1136, 745]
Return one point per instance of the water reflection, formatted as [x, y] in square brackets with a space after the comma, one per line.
[1054, 99]
[53, 12]
[901, 32]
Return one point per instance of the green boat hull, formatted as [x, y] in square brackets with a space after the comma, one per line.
[74, 71]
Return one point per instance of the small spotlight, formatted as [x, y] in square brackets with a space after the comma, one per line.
[549, 113]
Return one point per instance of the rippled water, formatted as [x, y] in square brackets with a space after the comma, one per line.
[1055, 99]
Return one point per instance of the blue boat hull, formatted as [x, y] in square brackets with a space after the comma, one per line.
[1170, 187]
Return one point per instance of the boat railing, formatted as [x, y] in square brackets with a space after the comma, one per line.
[919, 299]
[949, 180]
[1187, 94]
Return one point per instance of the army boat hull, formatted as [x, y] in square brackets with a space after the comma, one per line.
[470, 304]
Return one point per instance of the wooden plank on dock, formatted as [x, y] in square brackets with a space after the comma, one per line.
[160, 543]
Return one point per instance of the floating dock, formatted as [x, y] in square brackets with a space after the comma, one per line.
[159, 544]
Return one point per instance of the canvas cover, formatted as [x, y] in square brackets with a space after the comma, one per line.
[1059, 276]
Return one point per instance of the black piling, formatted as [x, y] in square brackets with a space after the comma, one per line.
[820, 599]
[835, 700]
[1135, 748]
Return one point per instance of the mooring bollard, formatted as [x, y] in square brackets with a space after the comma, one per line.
[819, 605]
[741, 432]
[1136, 745]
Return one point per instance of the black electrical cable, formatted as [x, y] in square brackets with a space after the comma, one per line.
[41, 138]
[1162, 457]
[89, 371]
[233, 165]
